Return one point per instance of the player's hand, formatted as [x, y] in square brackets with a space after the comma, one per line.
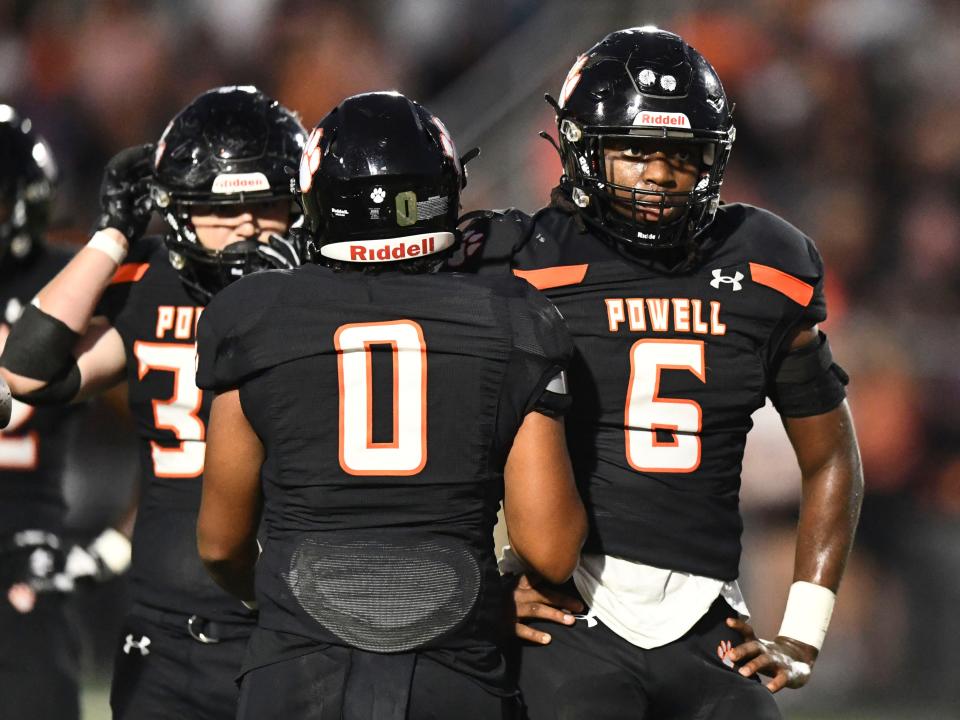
[34, 567]
[789, 662]
[535, 599]
[279, 253]
[105, 558]
[125, 202]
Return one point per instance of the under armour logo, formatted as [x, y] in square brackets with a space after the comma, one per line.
[142, 645]
[589, 617]
[719, 278]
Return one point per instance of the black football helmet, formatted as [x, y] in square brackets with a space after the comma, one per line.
[643, 83]
[380, 182]
[28, 174]
[231, 145]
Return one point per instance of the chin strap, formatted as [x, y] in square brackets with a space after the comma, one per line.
[552, 140]
[560, 199]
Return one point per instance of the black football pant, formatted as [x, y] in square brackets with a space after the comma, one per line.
[39, 661]
[339, 683]
[161, 671]
[588, 672]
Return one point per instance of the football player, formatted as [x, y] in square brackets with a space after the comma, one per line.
[685, 314]
[375, 413]
[126, 307]
[39, 658]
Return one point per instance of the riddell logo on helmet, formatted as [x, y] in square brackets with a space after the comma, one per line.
[661, 119]
[400, 251]
[389, 250]
[240, 182]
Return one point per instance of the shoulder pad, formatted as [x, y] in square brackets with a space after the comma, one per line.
[490, 239]
[776, 243]
[538, 327]
[231, 326]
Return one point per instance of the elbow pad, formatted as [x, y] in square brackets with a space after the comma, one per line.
[58, 391]
[808, 382]
[40, 346]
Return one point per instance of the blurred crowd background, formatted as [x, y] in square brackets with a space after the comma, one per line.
[848, 118]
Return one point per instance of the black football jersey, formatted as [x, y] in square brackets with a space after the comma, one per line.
[33, 445]
[668, 368]
[157, 319]
[387, 405]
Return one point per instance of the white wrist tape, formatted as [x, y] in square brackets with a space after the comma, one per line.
[113, 549]
[808, 612]
[108, 246]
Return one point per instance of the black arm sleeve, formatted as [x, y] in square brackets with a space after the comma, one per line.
[808, 382]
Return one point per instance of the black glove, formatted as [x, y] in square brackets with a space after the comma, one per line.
[125, 203]
[280, 252]
[31, 562]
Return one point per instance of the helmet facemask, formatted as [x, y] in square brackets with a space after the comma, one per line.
[207, 271]
[618, 209]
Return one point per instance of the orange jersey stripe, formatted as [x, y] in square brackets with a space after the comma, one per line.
[794, 288]
[129, 272]
[554, 276]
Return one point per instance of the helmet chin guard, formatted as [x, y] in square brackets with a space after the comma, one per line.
[206, 272]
